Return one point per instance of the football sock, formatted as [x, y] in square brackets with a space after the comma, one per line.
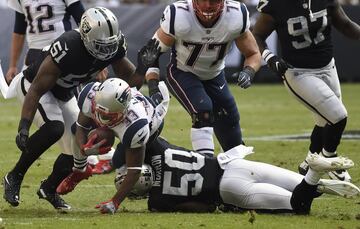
[316, 139]
[80, 165]
[312, 177]
[302, 197]
[61, 169]
[38, 143]
[332, 135]
[202, 140]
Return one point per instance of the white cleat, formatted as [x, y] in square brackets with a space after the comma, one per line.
[341, 175]
[327, 164]
[339, 188]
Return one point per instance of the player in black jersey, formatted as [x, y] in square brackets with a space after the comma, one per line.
[307, 65]
[193, 182]
[46, 89]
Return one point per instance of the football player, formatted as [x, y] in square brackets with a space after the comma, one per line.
[188, 181]
[200, 34]
[307, 66]
[135, 119]
[42, 22]
[46, 90]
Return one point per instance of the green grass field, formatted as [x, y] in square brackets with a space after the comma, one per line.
[266, 110]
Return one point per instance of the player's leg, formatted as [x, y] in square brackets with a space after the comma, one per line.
[51, 127]
[190, 92]
[81, 169]
[320, 92]
[226, 114]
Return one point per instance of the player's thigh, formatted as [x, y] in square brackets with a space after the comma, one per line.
[313, 91]
[243, 191]
[48, 107]
[188, 90]
[70, 112]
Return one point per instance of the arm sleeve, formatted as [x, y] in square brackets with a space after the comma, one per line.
[76, 10]
[167, 21]
[20, 23]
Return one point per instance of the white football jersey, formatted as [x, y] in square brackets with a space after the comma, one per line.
[140, 122]
[198, 49]
[44, 19]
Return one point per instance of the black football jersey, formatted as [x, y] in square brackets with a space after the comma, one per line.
[76, 64]
[181, 176]
[305, 38]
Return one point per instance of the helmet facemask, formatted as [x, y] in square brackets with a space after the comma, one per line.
[111, 101]
[208, 12]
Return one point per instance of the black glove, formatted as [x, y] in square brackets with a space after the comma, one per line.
[148, 56]
[278, 65]
[245, 77]
[23, 134]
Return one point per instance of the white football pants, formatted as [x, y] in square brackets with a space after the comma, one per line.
[53, 109]
[256, 185]
[319, 90]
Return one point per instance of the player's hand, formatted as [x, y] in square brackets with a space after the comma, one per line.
[148, 56]
[102, 75]
[11, 73]
[108, 207]
[278, 65]
[245, 77]
[92, 148]
[23, 134]
[21, 139]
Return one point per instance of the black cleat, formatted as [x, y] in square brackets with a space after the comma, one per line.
[53, 198]
[12, 185]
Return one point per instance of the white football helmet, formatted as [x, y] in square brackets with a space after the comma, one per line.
[142, 186]
[111, 101]
[100, 32]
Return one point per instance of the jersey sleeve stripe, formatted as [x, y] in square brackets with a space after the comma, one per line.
[132, 130]
[245, 16]
[172, 19]
[84, 92]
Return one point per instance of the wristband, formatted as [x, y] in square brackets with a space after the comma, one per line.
[267, 54]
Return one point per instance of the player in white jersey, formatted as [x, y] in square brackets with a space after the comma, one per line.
[200, 33]
[135, 119]
[42, 21]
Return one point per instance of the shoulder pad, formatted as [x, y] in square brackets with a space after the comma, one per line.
[237, 17]
[15, 5]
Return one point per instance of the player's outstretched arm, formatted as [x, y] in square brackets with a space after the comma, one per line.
[343, 23]
[134, 160]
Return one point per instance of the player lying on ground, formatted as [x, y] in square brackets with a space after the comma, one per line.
[135, 119]
[192, 182]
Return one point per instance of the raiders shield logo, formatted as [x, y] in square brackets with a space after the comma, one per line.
[85, 27]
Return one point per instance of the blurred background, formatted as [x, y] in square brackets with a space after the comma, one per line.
[140, 18]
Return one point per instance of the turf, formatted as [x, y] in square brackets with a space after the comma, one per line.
[266, 110]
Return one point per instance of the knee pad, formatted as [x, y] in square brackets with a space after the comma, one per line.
[54, 129]
[202, 119]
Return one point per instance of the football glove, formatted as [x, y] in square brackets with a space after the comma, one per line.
[108, 207]
[148, 56]
[94, 149]
[245, 77]
[23, 134]
[278, 65]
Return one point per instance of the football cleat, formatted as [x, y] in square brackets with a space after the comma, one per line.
[304, 166]
[327, 164]
[12, 184]
[339, 188]
[70, 182]
[102, 167]
[341, 175]
[53, 198]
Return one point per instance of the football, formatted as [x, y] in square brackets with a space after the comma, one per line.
[103, 133]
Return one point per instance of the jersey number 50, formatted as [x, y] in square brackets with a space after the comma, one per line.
[180, 160]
